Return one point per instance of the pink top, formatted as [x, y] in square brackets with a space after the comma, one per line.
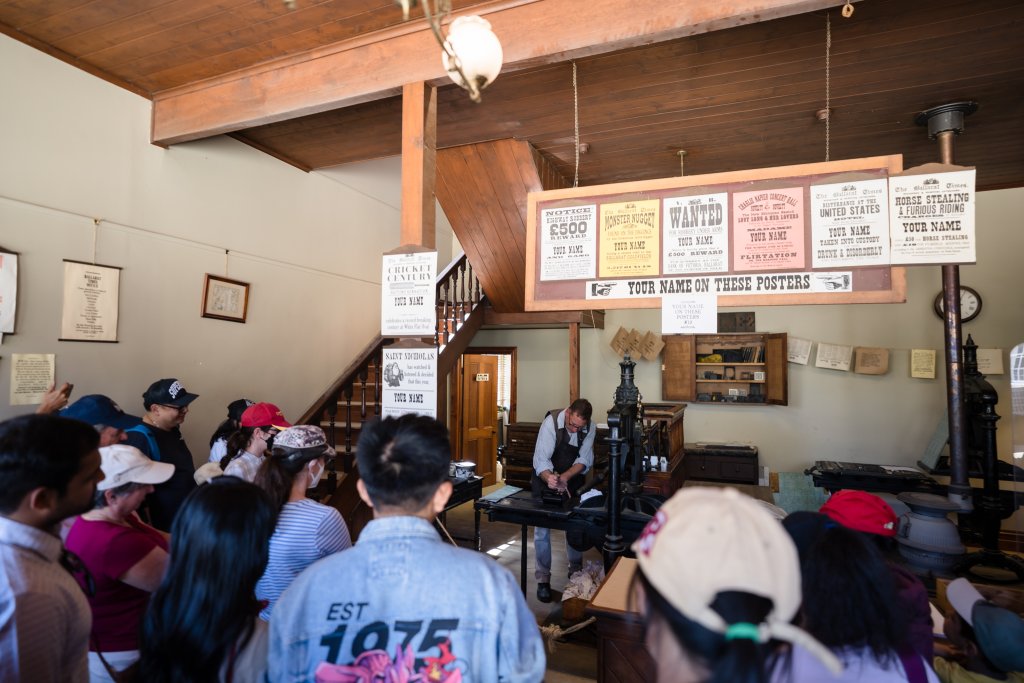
[108, 551]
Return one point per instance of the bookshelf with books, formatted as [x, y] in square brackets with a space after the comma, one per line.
[728, 369]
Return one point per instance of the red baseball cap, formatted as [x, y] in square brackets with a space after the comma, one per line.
[264, 414]
[861, 511]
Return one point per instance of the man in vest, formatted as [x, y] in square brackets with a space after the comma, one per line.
[159, 436]
[563, 454]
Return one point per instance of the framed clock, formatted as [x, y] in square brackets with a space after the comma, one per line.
[970, 304]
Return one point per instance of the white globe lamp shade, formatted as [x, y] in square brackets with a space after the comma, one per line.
[476, 49]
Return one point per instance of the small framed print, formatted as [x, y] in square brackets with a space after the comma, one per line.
[729, 372]
[225, 299]
[758, 376]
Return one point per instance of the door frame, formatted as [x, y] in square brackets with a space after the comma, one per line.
[455, 391]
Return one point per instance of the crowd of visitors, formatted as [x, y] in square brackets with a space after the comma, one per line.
[246, 578]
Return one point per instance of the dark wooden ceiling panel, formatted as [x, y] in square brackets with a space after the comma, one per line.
[742, 97]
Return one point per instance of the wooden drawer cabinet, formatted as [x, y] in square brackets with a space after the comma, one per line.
[708, 463]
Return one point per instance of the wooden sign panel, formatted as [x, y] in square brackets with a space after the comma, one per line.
[805, 234]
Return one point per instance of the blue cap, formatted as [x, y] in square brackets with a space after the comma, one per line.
[97, 409]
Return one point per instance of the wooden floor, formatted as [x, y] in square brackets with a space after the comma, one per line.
[574, 659]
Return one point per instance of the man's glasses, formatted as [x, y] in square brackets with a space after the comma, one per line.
[177, 409]
[576, 425]
[73, 563]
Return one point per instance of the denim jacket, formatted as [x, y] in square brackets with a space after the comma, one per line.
[401, 603]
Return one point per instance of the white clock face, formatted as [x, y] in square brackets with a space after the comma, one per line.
[968, 303]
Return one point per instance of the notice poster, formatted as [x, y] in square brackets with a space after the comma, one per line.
[90, 302]
[722, 285]
[410, 381]
[931, 218]
[798, 350]
[31, 377]
[407, 295]
[871, 361]
[568, 243]
[768, 229]
[689, 314]
[630, 243]
[922, 363]
[8, 291]
[696, 234]
[834, 357]
[850, 224]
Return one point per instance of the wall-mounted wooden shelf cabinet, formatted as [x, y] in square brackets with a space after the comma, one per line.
[729, 369]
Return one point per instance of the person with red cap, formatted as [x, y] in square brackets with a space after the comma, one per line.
[867, 513]
[259, 424]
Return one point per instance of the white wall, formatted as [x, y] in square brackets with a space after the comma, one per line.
[76, 148]
[831, 415]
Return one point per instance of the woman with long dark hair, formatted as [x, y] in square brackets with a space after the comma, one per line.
[851, 606]
[718, 584]
[306, 530]
[246, 447]
[219, 438]
[202, 623]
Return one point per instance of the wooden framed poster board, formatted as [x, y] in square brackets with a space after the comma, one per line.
[758, 237]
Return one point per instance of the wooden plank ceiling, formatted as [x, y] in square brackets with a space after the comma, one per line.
[736, 98]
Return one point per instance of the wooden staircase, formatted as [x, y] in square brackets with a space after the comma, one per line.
[355, 397]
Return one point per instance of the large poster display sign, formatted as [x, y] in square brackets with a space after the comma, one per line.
[806, 234]
[568, 243]
[407, 295]
[850, 224]
[696, 234]
[90, 302]
[769, 229]
[630, 238]
[932, 218]
[409, 381]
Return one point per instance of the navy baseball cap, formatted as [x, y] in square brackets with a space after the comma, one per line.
[97, 409]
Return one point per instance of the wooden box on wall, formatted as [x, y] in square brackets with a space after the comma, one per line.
[752, 369]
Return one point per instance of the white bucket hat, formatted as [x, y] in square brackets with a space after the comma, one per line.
[124, 464]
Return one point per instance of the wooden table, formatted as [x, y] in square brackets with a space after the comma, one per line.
[621, 654]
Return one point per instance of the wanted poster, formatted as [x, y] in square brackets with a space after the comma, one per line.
[568, 243]
[850, 224]
[410, 381]
[931, 218]
[407, 295]
[630, 239]
[768, 231]
[696, 234]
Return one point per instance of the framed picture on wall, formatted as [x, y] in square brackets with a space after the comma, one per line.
[225, 299]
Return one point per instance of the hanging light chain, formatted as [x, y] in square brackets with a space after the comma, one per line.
[828, 84]
[576, 125]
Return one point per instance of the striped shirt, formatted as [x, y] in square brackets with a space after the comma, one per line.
[44, 617]
[306, 531]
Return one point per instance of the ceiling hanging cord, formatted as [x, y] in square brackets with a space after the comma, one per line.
[95, 237]
[828, 82]
[576, 125]
[226, 252]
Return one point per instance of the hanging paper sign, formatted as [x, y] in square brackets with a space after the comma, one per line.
[931, 218]
[850, 224]
[630, 240]
[8, 291]
[31, 377]
[407, 295]
[409, 381]
[568, 243]
[689, 314]
[90, 302]
[834, 356]
[721, 285]
[696, 234]
[768, 229]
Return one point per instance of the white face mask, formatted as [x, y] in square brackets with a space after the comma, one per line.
[315, 477]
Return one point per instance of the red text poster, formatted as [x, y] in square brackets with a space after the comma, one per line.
[768, 229]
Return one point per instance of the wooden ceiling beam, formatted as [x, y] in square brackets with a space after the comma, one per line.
[367, 68]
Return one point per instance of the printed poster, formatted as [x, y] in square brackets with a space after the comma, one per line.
[696, 234]
[931, 218]
[722, 285]
[768, 232]
[409, 381]
[834, 356]
[689, 314]
[568, 243]
[90, 305]
[407, 295]
[8, 291]
[31, 377]
[850, 224]
[630, 238]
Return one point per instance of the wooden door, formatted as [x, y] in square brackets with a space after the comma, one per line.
[479, 414]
